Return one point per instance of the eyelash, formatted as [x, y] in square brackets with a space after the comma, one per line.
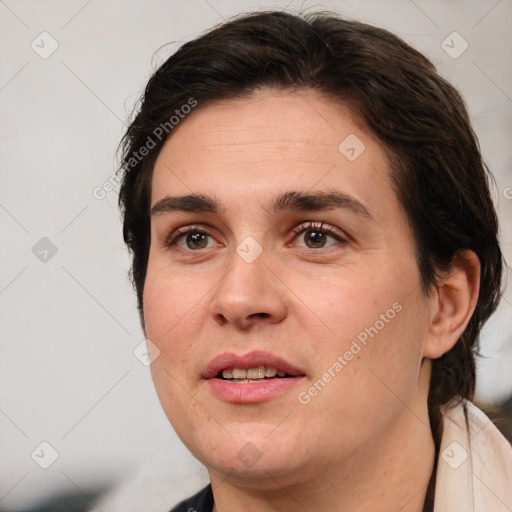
[318, 227]
[305, 226]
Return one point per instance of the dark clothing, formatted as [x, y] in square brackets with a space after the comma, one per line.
[200, 502]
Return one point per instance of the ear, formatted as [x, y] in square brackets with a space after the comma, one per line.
[453, 304]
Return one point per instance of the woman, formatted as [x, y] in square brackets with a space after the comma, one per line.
[314, 254]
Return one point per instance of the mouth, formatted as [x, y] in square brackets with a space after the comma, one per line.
[256, 365]
[254, 377]
[251, 375]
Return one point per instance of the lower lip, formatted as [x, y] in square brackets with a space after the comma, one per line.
[252, 392]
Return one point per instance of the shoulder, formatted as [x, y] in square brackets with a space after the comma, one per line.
[475, 463]
[200, 502]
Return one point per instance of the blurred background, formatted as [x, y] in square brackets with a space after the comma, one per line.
[80, 424]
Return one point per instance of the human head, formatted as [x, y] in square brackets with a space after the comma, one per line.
[438, 174]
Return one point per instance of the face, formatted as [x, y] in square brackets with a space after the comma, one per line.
[290, 253]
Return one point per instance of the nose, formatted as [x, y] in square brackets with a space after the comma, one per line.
[249, 294]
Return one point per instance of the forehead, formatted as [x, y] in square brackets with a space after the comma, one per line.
[272, 142]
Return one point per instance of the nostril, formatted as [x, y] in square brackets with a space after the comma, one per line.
[221, 319]
[259, 315]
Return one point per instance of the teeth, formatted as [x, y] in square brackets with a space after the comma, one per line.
[239, 374]
[270, 372]
[256, 373]
[253, 374]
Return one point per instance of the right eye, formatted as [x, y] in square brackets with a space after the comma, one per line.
[190, 238]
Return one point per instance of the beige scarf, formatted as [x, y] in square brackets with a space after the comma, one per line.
[474, 471]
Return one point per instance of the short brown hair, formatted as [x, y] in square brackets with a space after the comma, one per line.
[420, 119]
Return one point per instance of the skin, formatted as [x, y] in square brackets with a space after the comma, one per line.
[365, 439]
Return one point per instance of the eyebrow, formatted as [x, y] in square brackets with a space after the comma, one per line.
[311, 201]
[187, 203]
[285, 202]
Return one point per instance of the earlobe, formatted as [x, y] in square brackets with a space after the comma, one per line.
[453, 304]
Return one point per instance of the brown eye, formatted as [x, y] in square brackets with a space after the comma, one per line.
[196, 240]
[315, 239]
[317, 235]
[190, 239]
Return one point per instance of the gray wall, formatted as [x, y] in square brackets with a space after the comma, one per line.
[68, 375]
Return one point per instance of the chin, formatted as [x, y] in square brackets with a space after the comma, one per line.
[251, 457]
[264, 473]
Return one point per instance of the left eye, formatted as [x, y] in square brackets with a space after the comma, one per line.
[317, 237]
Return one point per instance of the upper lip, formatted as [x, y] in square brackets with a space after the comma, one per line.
[228, 360]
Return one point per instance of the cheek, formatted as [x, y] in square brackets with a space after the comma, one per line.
[171, 313]
[374, 382]
[170, 303]
[372, 343]
[171, 310]
[347, 304]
